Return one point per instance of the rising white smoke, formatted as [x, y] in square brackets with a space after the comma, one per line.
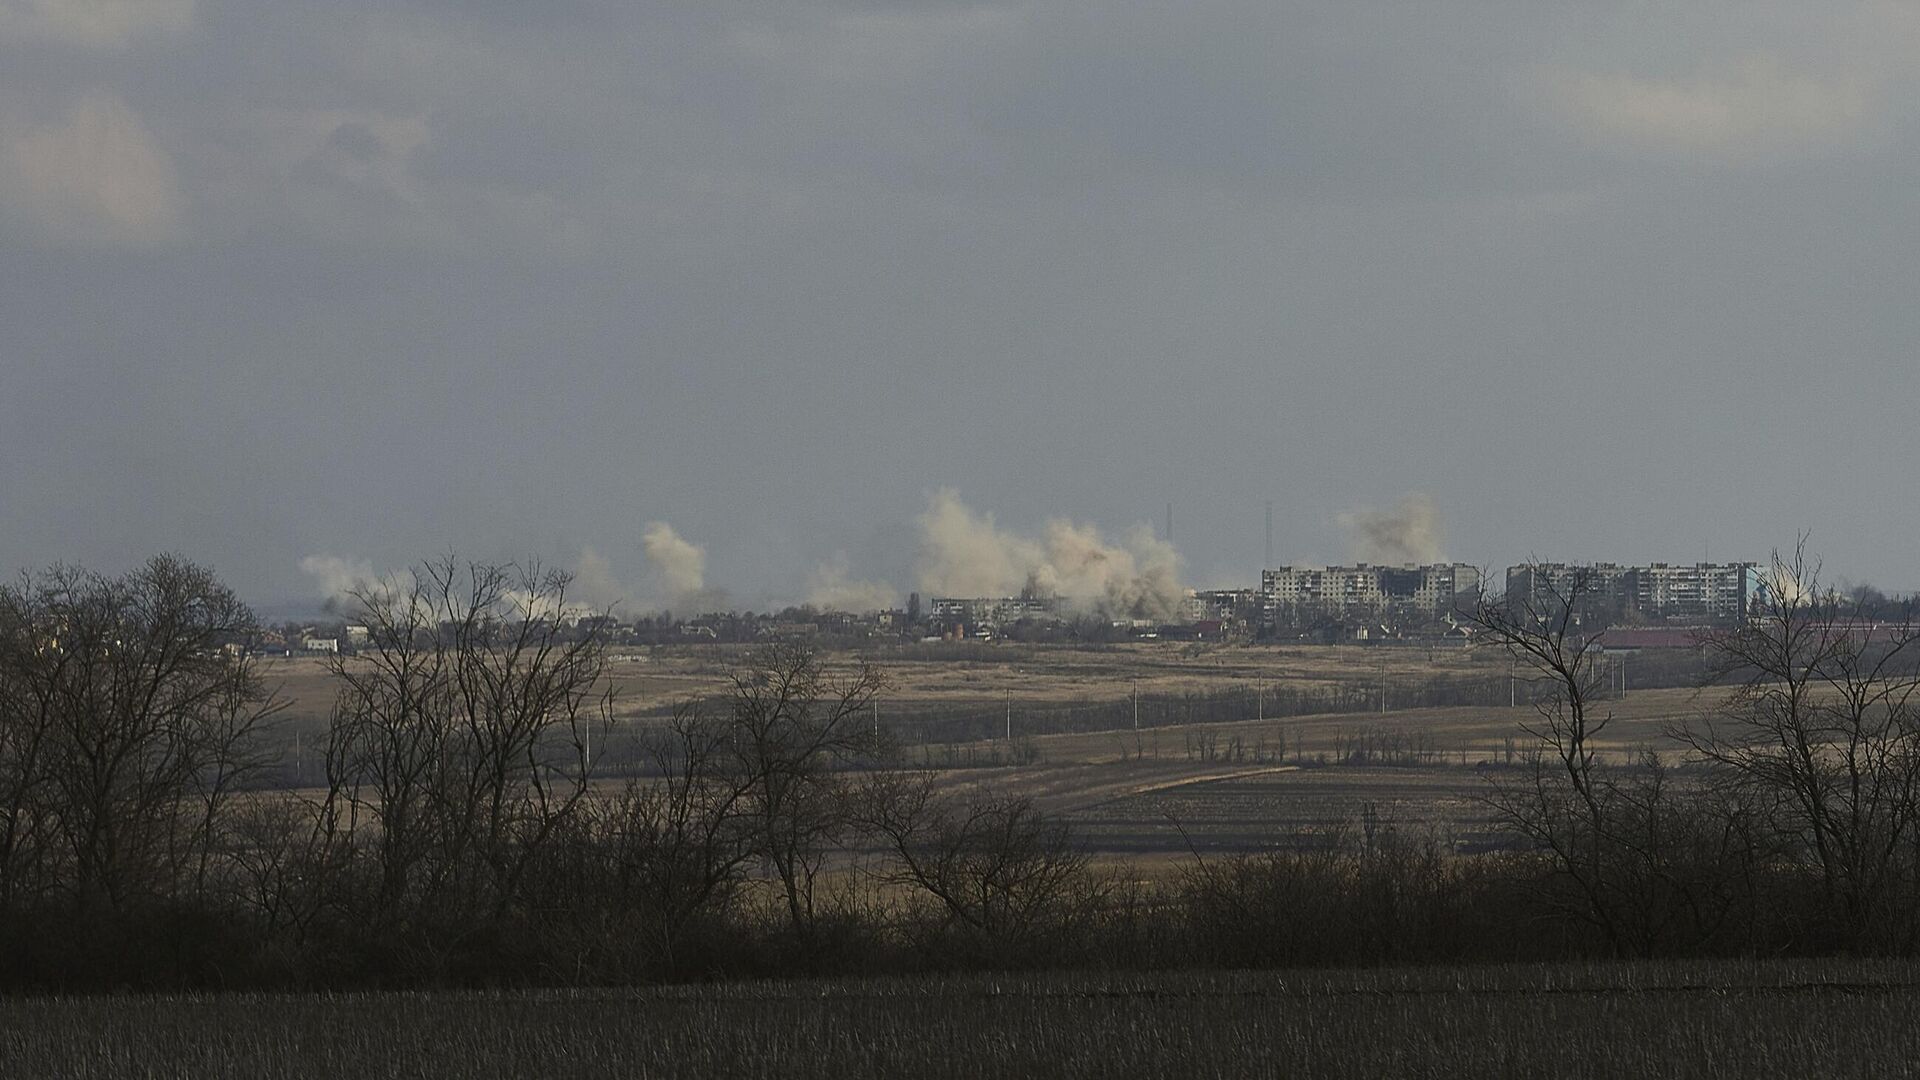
[594, 585]
[342, 583]
[964, 553]
[1409, 533]
[679, 566]
[351, 589]
[1139, 577]
[1788, 586]
[831, 587]
[335, 578]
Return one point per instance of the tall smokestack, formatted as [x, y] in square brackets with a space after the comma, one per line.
[1169, 523]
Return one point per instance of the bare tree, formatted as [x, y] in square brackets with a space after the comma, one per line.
[1823, 722]
[793, 730]
[462, 734]
[31, 666]
[681, 845]
[1561, 804]
[126, 724]
[1004, 876]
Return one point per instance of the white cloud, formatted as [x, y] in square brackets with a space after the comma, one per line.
[95, 24]
[1756, 105]
[95, 177]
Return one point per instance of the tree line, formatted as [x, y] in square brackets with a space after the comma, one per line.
[462, 834]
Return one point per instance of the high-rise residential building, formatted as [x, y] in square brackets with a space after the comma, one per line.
[1289, 592]
[992, 612]
[1664, 592]
[1706, 592]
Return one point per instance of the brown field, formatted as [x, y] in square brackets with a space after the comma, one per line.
[645, 681]
[1767, 1019]
[1030, 676]
[1150, 793]
[1164, 791]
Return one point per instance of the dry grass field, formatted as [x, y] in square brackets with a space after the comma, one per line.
[1761, 1020]
[646, 681]
[1152, 792]
[1230, 786]
[1042, 677]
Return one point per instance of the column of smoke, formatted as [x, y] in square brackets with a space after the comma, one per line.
[346, 586]
[349, 587]
[678, 569]
[679, 566]
[832, 587]
[677, 579]
[336, 579]
[1409, 533]
[1787, 586]
[964, 553]
[961, 553]
[594, 585]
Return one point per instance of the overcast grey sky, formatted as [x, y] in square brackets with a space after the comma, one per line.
[372, 280]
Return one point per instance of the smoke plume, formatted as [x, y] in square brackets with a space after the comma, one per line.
[342, 582]
[679, 566]
[1409, 533]
[831, 587]
[1787, 585]
[336, 578]
[964, 553]
[594, 585]
[351, 589]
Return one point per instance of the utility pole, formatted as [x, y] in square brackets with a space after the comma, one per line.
[1136, 704]
[1260, 700]
[1009, 719]
[1513, 686]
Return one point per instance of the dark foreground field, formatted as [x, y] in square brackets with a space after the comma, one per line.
[1679, 1020]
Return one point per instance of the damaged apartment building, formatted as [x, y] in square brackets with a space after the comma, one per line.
[1291, 595]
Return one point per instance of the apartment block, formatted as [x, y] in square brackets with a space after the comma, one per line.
[1433, 590]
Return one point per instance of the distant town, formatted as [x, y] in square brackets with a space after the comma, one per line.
[1651, 606]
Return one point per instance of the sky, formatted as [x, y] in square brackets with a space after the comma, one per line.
[369, 282]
